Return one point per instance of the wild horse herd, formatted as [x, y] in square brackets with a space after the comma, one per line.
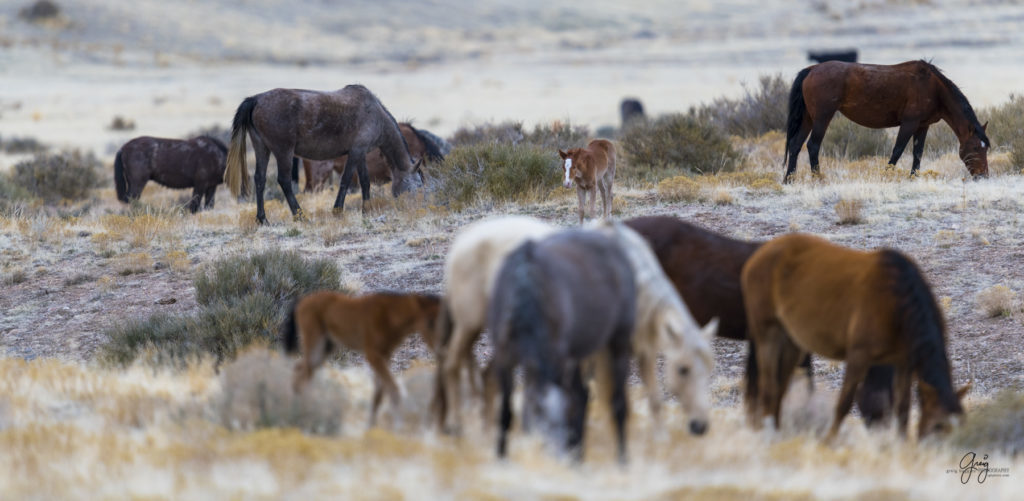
[568, 306]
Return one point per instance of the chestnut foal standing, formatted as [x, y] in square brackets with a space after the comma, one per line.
[592, 169]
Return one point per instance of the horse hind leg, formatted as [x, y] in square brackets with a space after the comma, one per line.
[581, 196]
[260, 175]
[817, 135]
[211, 192]
[606, 209]
[856, 369]
[382, 382]
[284, 180]
[907, 130]
[919, 138]
[793, 148]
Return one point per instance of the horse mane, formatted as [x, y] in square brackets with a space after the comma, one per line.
[434, 153]
[385, 147]
[526, 319]
[961, 99]
[923, 323]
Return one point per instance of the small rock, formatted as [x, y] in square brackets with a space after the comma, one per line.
[166, 300]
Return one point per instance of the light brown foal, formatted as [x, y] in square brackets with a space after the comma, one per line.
[592, 169]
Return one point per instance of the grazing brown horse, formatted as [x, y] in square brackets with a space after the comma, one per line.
[804, 294]
[592, 169]
[372, 324]
[196, 163]
[556, 302]
[319, 126]
[912, 95]
[705, 268]
[421, 146]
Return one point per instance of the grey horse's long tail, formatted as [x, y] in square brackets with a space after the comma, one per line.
[120, 181]
[237, 174]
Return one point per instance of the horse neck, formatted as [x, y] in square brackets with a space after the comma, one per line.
[395, 148]
[954, 113]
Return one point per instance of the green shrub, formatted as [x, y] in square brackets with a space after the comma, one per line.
[1005, 122]
[502, 172]
[281, 275]
[16, 145]
[54, 178]
[243, 302]
[559, 135]
[11, 194]
[998, 425]
[680, 142]
[845, 139]
[1016, 147]
[505, 132]
[760, 110]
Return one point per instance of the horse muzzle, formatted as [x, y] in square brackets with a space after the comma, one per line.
[698, 427]
[567, 184]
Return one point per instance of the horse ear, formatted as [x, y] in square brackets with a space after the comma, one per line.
[710, 329]
[984, 127]
[562, 154]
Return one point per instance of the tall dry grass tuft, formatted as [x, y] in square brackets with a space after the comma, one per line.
[995, 426]
[850, 211]
[998, 300]
[256, 392]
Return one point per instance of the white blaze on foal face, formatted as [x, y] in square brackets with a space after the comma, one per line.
[568, 168]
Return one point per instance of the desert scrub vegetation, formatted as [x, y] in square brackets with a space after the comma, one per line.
[502, 172]
[66, 176]
[555, 135]
[850, 211]
[675, 144]
[997, 425]
[243, 300]
[761, 109]
[998, 300]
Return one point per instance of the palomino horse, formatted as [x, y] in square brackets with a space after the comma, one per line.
[912, 95]
[557, 302]
[470, 271]
[804, 294]
[705, 268]
[373, 324]
[197, 163]
[592, 169]
[664, 325]
[319, 126]
[421, 145]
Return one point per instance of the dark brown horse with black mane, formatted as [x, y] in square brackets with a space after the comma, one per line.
[421, 144]
[319, 126]
[804, 294]
[705, 268]
[556, 302]
[196, 163]
[912, 95]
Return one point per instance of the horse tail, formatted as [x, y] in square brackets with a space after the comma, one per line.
[797, 109]
[433, 153]
[922, 322]
[526, 318]
[120, 181]
[237, 174]
[289, 331]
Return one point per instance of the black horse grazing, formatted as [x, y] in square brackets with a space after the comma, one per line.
[631, 110]
[820, 56]
[318, 126]
[705, 267]
[911, 95]
[196, 163]
[556, 302]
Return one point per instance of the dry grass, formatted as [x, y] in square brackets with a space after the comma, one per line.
[850, 211]
[998, 300]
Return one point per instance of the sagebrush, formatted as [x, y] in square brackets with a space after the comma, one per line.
[502, 172]
[58, 177]
[674, 144]
[760, 110]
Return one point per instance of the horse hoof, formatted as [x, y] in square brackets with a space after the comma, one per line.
[261, 221]
[338, 211]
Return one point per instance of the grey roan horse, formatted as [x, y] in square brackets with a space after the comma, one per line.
[318, 126]
[196, 163]
[556, 302]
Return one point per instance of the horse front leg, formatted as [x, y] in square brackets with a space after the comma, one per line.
[856, 369]
[211, 193]
[260, 178]
[581, 197]
[814, 143]
[351, 166]
[919, 138]
[197, 197]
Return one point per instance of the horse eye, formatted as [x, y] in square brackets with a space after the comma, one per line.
[684, 371]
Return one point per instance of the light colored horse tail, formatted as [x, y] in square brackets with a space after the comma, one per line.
[237, 174]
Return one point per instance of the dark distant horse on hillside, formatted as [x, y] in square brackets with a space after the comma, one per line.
[705, 268]
[912, 95]
[863, 307]
[319, 126]
[196, 163]
[631, 110]
[421, 146]
[556, 302]
[820, 56]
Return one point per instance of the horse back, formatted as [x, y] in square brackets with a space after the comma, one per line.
[602, 155]
[704, 267]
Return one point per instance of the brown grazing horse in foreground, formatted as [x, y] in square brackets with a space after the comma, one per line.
[804, 294]
[705, 268]
[421, 146]
[912, 95]
[592, 169]
[372, 324]
[196, 163]
[557, 302]
[319, 126]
